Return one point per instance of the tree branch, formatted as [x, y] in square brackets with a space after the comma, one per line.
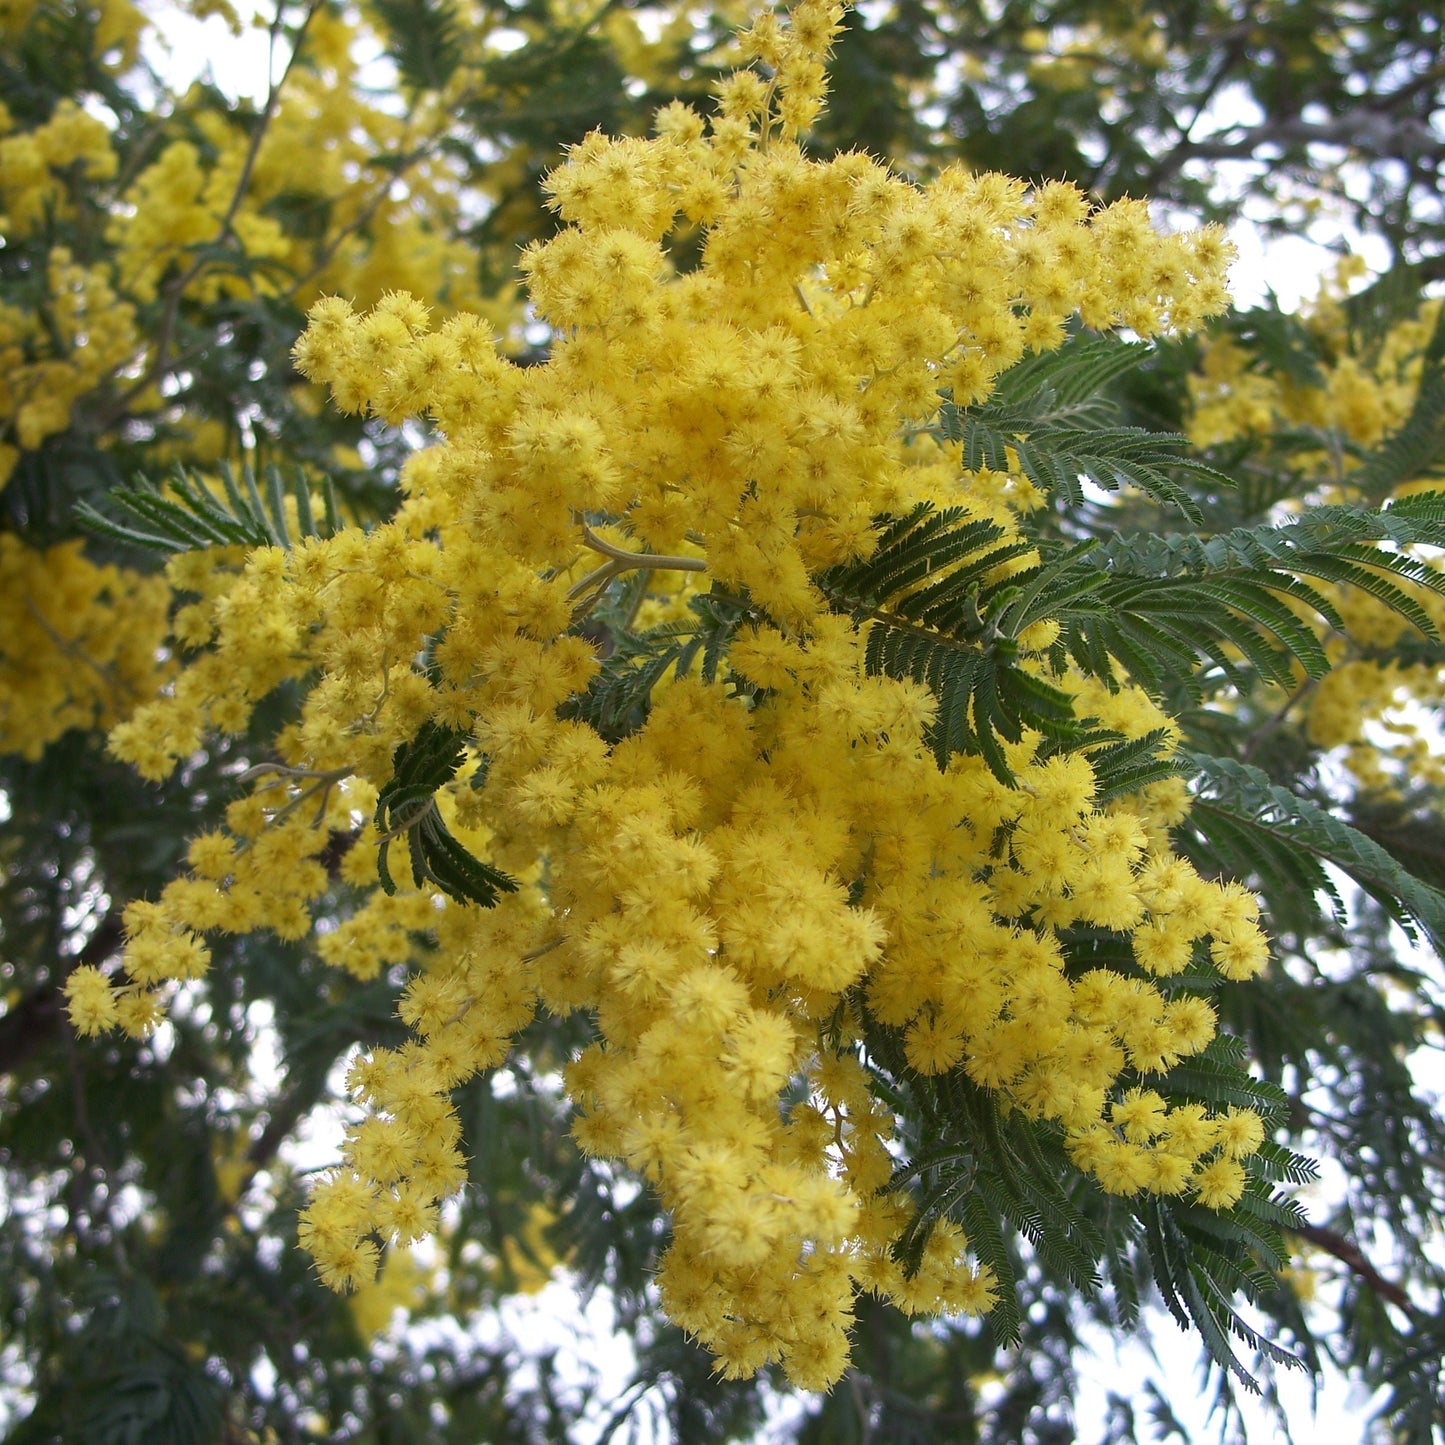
[1366, 130]
[1350, 1255]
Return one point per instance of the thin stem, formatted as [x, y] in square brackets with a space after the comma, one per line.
[765, 121]
[410, 821]
[1273, 724]
[1350, 1255]
[268, 111]
[360, 221]
[595, 582]
[590, 589]
[321, 782]
[643, 561]
[285, 770]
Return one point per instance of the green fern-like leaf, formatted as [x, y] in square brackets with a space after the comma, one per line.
[1318, 531]
[425, 38]
[1125, 765]
[1414, 838]
[1273, 1162]
[1048, 416]
[1113, 458]
[994, 1171]
[984, 1167]
[980, 1221]
[1198, 1276]
[620, 696]
[1168, 599]
[924, 596]
[1059, 388]
[1074, 376]
[940, 607]
[1292, 882]
[406, 807]
[1251, 809]
[1219, 1083]
[187, 515]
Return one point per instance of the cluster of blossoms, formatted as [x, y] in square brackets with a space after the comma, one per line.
[1074, 56]
[109, 247]
[54, 354]
[316, 154]
[197, 222]
[772, 863]
[1362, 395]
[116, 27]
[80, 643]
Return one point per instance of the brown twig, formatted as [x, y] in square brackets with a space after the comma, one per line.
[1350, 1255]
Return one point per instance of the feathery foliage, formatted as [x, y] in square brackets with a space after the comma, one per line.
[1239, 806]
[938, 610]
[187, 513]
[1050, 416]
[407, 807]
[618, 700]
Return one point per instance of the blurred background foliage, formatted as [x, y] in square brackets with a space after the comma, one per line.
[159, 251]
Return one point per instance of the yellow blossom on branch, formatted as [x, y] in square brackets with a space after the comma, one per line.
[741, 888]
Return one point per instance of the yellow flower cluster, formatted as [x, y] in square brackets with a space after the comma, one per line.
[1364, 398]
[1359, 705]
[1379, 714]
[82, 332]
[1076, 56]
[42, 169]
[53, 356]
[80, 646]
[200, 217]
[316, 158]
[256, 631]
[177, 205]
[773, 863]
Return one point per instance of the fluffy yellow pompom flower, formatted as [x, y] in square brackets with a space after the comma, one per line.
[764, 860]
[91, 1000]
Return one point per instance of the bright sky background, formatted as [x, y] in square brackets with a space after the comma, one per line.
[1292, 268]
